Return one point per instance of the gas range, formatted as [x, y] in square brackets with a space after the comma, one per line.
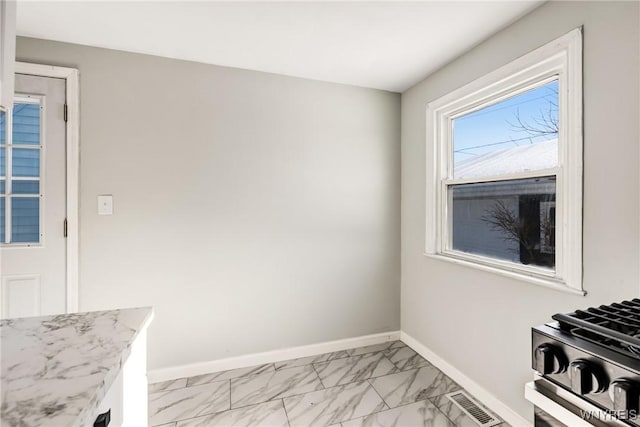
[594, 354]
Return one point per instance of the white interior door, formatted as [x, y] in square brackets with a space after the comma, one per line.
[33, 200]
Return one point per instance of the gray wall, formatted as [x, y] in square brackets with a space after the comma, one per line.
[252, 211]
[480, 322]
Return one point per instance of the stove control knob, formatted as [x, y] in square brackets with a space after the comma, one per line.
[549, 359]
[586, 377]
[625, 395]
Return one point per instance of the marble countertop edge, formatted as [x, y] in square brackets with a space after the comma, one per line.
[115, 370]
[56, 370]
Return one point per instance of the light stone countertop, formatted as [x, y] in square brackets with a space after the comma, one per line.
[55, 370]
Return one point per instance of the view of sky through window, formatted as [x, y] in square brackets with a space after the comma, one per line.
[525, 119]
[513, 219]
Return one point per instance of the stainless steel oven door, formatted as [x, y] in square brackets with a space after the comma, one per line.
[565, 408]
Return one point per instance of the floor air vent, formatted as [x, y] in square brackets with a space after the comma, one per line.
[470, 407]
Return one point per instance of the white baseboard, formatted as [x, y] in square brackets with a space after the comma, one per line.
[193, 369]
[479, 392]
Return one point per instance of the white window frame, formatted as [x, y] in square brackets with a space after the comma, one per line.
[560, 59]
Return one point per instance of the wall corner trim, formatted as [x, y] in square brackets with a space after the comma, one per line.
[200, 368]
[479, 392]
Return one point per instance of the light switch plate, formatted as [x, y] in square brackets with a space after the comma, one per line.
[105, 204]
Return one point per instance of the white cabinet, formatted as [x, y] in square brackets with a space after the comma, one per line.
[127, 396]
[7, 51]
[112, 402]
[135, 384]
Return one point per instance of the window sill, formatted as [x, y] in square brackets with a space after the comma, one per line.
[522, 276]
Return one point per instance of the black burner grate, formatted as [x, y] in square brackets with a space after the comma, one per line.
[616, 326]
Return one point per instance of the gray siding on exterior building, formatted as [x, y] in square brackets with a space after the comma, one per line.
[25, 163]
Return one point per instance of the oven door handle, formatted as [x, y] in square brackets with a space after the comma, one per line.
[566, 407]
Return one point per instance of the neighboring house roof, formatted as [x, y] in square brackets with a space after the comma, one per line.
[538, 156]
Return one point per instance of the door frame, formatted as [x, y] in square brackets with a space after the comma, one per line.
[71, 76]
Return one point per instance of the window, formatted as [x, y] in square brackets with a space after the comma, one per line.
[20, 174]
[504, 182]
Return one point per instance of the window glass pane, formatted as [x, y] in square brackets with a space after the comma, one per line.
[515, 135]
[25, 220]
[26, 124]
[3, 187]
[25, 162]
[3, 161]
[2, 219]
[25, 187]
[510, 220]
[3, 127]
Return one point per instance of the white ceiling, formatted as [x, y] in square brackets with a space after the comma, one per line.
[383, 45]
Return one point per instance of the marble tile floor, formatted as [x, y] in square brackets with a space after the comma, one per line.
[381, 385]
